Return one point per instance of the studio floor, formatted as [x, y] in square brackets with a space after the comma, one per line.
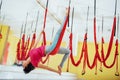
[15, 72]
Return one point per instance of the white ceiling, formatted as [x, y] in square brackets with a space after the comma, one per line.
[15, 13]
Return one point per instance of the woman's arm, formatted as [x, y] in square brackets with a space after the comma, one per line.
[48, 68]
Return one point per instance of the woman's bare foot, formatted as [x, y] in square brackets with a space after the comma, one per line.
[59, 69]
[59, 72]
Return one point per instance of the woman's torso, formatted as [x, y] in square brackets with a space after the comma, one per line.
[36, 55]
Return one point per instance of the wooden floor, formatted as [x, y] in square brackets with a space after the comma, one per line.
[15, 72]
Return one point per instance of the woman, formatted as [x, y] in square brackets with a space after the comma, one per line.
[36, 54]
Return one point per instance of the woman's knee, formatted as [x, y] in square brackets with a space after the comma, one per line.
[68, 52]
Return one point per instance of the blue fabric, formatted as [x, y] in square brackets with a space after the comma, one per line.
[54, 42]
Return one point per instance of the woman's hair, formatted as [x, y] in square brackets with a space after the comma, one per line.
[28, 68]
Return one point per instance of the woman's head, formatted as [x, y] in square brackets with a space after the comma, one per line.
[28, 68]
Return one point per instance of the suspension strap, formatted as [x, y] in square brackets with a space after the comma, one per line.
[55, 50]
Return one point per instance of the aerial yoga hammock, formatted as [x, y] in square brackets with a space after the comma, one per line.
[53, 52]
[36, 54]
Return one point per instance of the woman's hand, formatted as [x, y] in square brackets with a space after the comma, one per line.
[24, 64]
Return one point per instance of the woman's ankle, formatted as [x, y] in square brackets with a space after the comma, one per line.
[60, 68]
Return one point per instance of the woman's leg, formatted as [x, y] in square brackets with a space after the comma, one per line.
[66, 53]
[54, 42]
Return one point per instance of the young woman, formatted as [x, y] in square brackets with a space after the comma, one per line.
[36, 54]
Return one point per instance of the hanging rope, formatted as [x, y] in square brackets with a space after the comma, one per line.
[27, 47]
[33, 38]
[0, 8]
[97, 56]
[85, 42]
[30, 44]
[43, 33]
[44, 38]
[69, 13]
[23, 46]
[71, 29]
[45, 16]
[23, 41]
[117, 53]
[1, 32]
[34, 34]
[58, 20]
[85, 52]
[102, 43]
[19, 46]
[18, 50]
[102, 53]
[44, 43]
